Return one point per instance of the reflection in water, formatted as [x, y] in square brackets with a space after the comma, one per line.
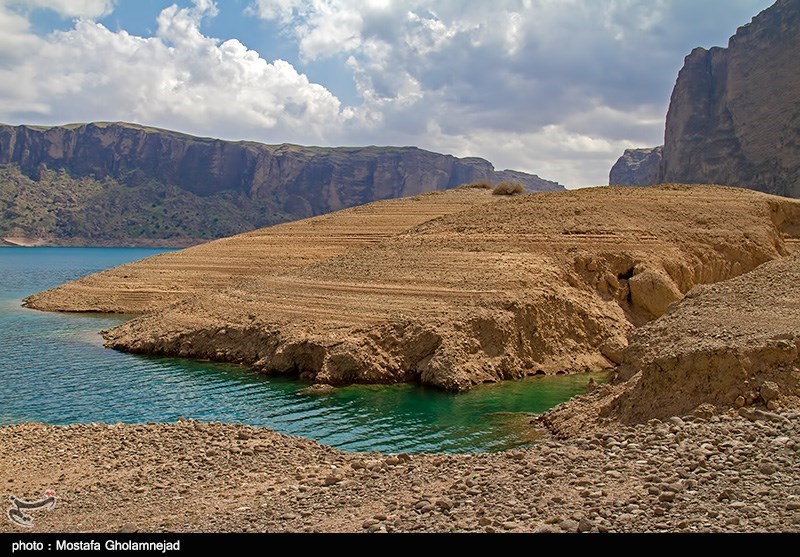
[54, 369]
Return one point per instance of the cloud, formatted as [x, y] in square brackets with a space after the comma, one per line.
[589, 76]
[558, 88]
[178, 78]
[69, 8]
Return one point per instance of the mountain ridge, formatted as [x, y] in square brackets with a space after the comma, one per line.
[117, 183]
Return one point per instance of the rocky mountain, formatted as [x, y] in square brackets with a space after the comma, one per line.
[119, 183]
[636, 167]
[734, 115]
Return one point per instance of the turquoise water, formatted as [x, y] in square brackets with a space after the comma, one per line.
[53, 368]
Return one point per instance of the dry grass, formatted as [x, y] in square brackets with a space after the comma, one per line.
[477, 185]
[508, 188]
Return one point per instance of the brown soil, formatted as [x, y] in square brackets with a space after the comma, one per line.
[156, 282]
[731, 345]
[693, 475]
[541, 283]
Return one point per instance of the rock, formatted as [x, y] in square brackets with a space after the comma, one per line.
[653, 291]
[636, 167]
[127, 528]
[769, 391]
[568, 525]
[319, 389]
[739, 402]
[444, 504]
[584, 525]
[243, 435]
[704, 411]
[754, 414]
[767, 468]
[667, 497]
[332, 480]
[732, 117]
[614, 347]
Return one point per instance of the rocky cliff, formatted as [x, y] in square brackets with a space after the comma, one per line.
[110, 182]
[734, 114]
[636, 167]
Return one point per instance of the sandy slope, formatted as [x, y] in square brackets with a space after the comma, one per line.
[541, 283]
[731, 345]
[158, 281]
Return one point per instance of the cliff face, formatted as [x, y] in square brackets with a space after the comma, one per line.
[734, 115]
[247, 184]
[636, 167]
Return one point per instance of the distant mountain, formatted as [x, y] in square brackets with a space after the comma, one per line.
[734, 115]
[636, 167]
[124, 184]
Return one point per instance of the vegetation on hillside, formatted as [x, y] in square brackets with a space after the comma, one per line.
[67, 210]
[508, 188]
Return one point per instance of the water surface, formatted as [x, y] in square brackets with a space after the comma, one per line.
[54, 369]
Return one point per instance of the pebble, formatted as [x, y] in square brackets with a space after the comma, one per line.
[722, 474]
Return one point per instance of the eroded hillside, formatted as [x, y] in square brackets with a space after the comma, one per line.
[543, 283]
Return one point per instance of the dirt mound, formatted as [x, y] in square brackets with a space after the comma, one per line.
[540, 283]
[735, 343]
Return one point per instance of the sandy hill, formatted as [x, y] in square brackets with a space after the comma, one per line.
[490, 288]
[158, 281]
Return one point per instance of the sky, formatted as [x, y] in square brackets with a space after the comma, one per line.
[558, 88]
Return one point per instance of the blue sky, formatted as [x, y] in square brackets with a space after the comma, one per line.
[557, 88]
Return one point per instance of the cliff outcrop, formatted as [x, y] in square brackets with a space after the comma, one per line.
[734, 114]
[636, 167]
[112, 183]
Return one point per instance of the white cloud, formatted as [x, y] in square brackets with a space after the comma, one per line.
[179, 78]
[549, 80]
[68, 8]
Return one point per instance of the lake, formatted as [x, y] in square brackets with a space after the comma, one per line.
[54, 369]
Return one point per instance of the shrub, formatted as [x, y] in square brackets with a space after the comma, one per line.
[508, 188]
[479, 185]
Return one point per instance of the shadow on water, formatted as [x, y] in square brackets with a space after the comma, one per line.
[55, 369]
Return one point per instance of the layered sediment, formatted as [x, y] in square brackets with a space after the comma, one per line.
[159, 281]
[731, 346]
[545, 283]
